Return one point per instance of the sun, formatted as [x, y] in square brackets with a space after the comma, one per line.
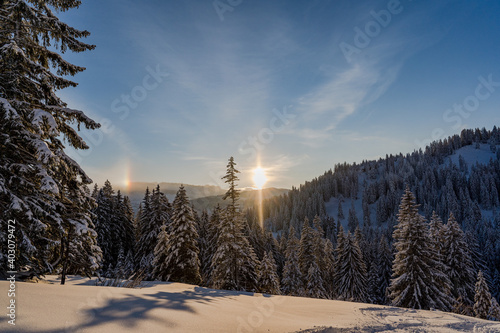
[259, 177]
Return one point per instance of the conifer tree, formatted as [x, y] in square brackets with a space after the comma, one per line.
[212, 236]
[42, 188]
[352, 221]
[233, 194]
[160, 268]
[203, 244]
[351, 272]
[459, 267]
[327, 261]
[437, 233]
[494, 313]
[234, 264]
[268, 277]
[153, 214]
[495, 285]
[482, 297]
[103, 222]
[182, 260]
[416, 283]
[385, 259]
[307, 248]
[340, 212]
[314, 286]
[292, 277]
[338, 250]
[120, 265]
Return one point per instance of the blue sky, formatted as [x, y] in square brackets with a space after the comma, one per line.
[295, 86]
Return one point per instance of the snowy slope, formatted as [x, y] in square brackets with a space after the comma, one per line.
[173, 307]
[473, 155]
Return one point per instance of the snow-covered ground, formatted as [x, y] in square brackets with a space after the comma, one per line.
[79, 306]
[473, 155]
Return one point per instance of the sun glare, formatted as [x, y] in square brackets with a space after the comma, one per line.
[259, 177]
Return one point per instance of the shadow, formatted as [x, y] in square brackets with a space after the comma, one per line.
[129, 310]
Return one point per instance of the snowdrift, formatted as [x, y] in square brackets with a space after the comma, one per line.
[80, 306]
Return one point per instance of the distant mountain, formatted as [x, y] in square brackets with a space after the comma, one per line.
[248, 198]
[135, 191]
[460, 174]
[201, 196]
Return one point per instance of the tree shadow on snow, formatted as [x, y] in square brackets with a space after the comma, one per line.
[130, 310]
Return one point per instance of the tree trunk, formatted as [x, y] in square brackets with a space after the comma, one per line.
[65, 261]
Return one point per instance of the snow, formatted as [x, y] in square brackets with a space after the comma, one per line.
[40, 116]
[80, 306]
[472, 155]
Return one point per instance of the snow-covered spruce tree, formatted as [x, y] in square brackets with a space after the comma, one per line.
[160, 269]
[416, 283]
[291, 284]
[113, 224]
[437, 233]
[314, 285]
[155, 212]
[351, 272]
[306, 248]
[182, 260]
[234, 264]
[120, 265]
[104, 220]
[459, 267]
[202, 228]
[495, 285]
[385, 259]
[126, 213]
[482, 297]
[233, 194]
[212, 234]
[338, 250]
[327, 261]
[268, 277]
[352, 220]
[40, 186]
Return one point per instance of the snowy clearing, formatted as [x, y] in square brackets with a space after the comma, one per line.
[79, 306]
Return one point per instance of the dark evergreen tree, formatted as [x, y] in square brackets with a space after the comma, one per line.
[42, 188]
[148, 230]
[160, 268]
[204, 245]
[234, 264]
[268, 278]
[459, 268]
[327, 262]
[306, 248]
[416, 283]
[292, 277]
[352, 221]
[340, 211]
[385, 259]
[482, 297]
[314, 286]
[211, 245]
[351, 275]
[182, 260]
